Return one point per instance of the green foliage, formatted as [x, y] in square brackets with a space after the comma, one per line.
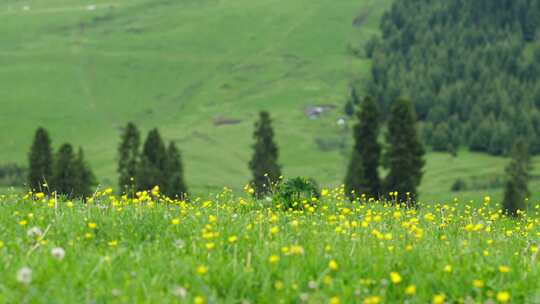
[65, 174]
[349, 108]
[128, 157]
[362, 174]
[153, 165]
[294, 193]
[404, 154]
[176, 186]
[85, 180]
[440, 139]
[459, 185]
[264, 163]
[355, 181]
[13, 175]
[40, 160]
[517, 190]
[472, 60]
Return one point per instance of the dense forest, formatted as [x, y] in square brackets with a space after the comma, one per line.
[472, 68]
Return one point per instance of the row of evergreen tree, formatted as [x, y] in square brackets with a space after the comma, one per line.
[403, 156]
[155, 165]
[65, 172]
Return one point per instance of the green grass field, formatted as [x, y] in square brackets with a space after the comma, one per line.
[231, 249]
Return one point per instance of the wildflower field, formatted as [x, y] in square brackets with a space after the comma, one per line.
[231, 249]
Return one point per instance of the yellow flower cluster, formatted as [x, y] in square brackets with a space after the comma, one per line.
[334, 251]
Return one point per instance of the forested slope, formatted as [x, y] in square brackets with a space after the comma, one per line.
[471, 67]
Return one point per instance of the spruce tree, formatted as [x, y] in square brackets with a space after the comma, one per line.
[363, 172]
[65, 175]
[349, 108]
[152, 168]
[517, 172]
[404, 154]
[40, 160]
[85, 180]
[264, 166]
[128, 157]
[175, 173]
[354, 99]
[355, 182]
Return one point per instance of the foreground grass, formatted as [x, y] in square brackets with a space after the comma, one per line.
[233, 249]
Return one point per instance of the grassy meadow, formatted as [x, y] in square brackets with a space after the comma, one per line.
[232, 249]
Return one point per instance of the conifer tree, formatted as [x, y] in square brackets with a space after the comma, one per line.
[64, 178]
[355, 182]
[363, 172]
[175, 173]
[152, 168]
[85, 180]
[354, 99]
[264, 166]
[404, 154]
[40, 160]
[517, 172]
[128, 157]
[349, 108]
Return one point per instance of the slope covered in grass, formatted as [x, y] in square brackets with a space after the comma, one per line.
[85, 68]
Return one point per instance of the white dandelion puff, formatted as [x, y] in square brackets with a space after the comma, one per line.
[58, 253]
[179, 244]
[24, 275]
[34, 232]
[179, 292]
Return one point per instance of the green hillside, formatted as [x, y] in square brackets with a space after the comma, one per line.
[83, 69]
[180, 65]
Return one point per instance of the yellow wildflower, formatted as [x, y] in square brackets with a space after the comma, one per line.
[395, 277]
[410, 290]
[202, 270]
[273, 259]
[438, 299]
[503, 296]
[333, 265]
[504, 269]
[478, 283]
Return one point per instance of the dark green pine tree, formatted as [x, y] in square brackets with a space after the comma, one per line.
[152, 167]
[355, 182]
[128, 157]
[40, 160]
[85, 180]
[349, 108]
[176, 186]
[517, 174]
[404, 154]
[65, 174]
[264, 164]
[354, 99]
[363, 172]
